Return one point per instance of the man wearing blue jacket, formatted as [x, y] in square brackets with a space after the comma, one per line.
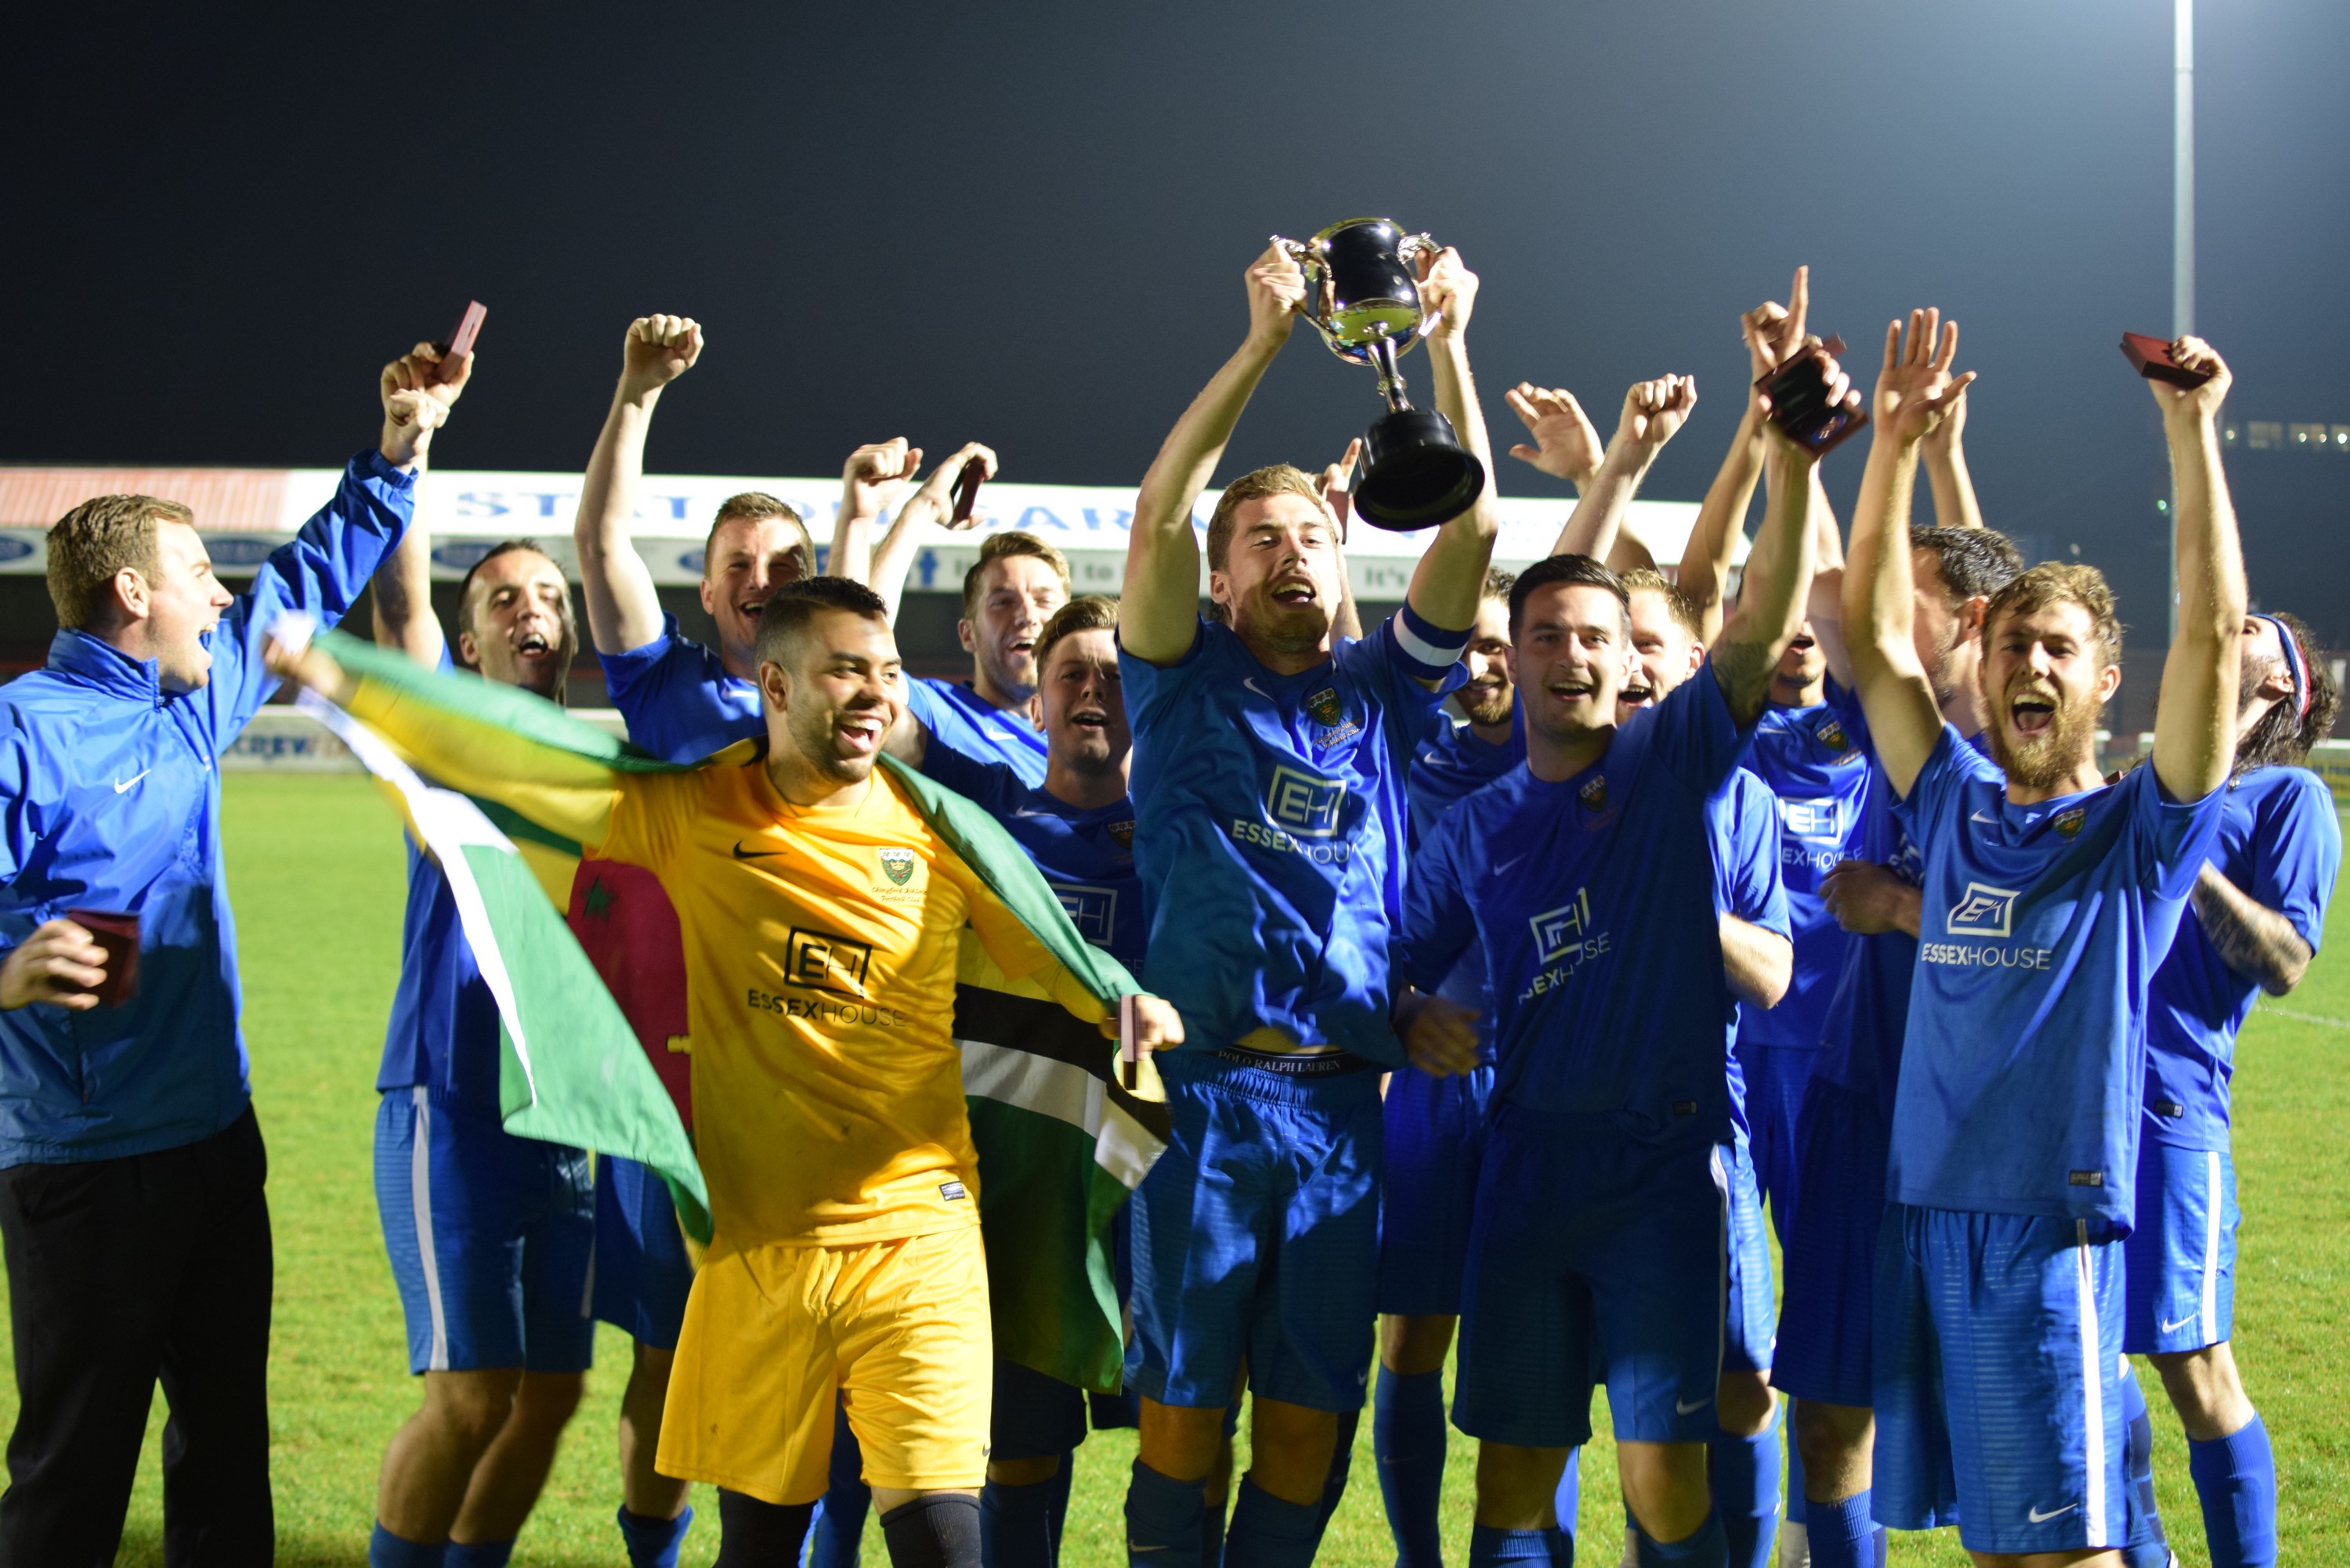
[136, 1231]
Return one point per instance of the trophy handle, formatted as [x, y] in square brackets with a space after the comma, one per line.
[1292, 249]
[1411, 247]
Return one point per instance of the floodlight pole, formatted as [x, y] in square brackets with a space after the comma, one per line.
[2182, 227]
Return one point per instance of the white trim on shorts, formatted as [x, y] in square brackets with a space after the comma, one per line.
[2092, 1399]
[2214, 1201]
[419, 1198]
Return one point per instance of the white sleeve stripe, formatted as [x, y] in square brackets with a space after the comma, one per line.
[1417, 647]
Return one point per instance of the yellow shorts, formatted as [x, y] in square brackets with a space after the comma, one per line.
[899, 1328]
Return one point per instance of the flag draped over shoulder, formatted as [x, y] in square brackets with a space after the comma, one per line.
[1060, 1144]
[570, 1070]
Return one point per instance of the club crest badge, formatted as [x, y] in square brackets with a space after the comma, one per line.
[1594, 792]
[2068, 823]
[898, 865]
[1124, 833]
[1832, 736]
[1324, 706]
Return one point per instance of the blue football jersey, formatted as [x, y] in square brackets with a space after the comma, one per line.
[1270, 831]
[1868, 1011]
[2280, 842]
[678, 701]
[960, 719]
[1743, 829]
[1819, 776]
[2025, 1060]
[1596, 900]
[1088, 856]
[1451, 761]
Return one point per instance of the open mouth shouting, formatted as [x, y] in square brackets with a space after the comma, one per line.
[1636, 696]
[533, 646]
[2033, 712]
[1294, 592]
[860, 731]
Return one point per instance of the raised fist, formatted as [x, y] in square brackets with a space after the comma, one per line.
[1654, 412]
[1448, 292]
[2193, 402]
[1276, 287]
[658, 351]
[876, 475]
[414, 405]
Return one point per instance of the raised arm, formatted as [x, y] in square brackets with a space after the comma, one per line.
[1653, 413]
[2195, 723]
[930, 506]
[1772, 332]
[1778, 579]
[874, 479]
[1337, 494]
[1946, 472]
[1914, 392]
[1159, 615]
[1450, 575]
[623, 611]
[1565, 444]
[401, 590]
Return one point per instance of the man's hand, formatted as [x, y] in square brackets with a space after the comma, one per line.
[656, 351]
[60, 963]
[1448, 292]
[308, 665]
[1338, 486]
[1566, 445]
[1775, 331]
[1157, 1025]
[413, 405]
[877, 475]
[1653, 413]
[1440, 1035]
[1868, 898]
[2193, 404]
[1915, 391]
[1943, 439]
[1276, 287]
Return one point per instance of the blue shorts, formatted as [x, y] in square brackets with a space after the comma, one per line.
[643, 1272]
[1749, 1322]
[1825, 1327]
[2181, 1293]
[491, 1238]
[1776, 1076]
[1593, 1259]
[1998, 1380]
[1435, 1136]
[1256, 1236]
[1033, 1416]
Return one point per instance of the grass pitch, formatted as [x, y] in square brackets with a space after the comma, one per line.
[316, 868]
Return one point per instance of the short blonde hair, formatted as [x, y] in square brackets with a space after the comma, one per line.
[96, 540]
[752, 507]
[1088, 612]
[1258, 483]
[996, 547]
[1683, 608]
[2060, 582]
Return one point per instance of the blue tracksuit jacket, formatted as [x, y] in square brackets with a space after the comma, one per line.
[109, 799]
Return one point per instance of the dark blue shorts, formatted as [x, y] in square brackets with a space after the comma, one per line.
[1256, 1237]
[490, 1237]
[1594, 1259]
[1998, 1390]
[1033, 1416]
[1826, 1326]
[2181, 1289]
[1435, 1137]
[643, 1272]
[1776, 1077]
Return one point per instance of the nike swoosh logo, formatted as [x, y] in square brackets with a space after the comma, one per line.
[2182, 1323]
[2038, 1517]
[1978, 817]
[1250, 681]
[121, 785]
[742, 854]
[1501, 868]
[1682, 1408]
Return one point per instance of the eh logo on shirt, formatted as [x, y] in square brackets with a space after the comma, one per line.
[1093, 910]
[1818, 821]
[1985, 911]
[1559, 932]
[818, 961]
[1307, 805]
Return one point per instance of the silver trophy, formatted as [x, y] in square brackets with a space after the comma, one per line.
[1362, 294]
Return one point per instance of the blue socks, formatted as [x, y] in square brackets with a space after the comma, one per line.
[1267, 1532]
[478, 1554]
[2235, 1477]
[1020, 1526]
[1407, 1439]
[1488, 1545]
[1844, 1536]
[2147, 1546]
[1342, 1464]
[386, 1550]
[1706, 1549]
[1567, 1502]
[653, 1543]
[1742, 1474]
[1163, 1518]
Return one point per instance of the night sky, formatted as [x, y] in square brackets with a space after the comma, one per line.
[1027, 225]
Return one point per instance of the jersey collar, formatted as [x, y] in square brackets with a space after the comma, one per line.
[98, 663]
